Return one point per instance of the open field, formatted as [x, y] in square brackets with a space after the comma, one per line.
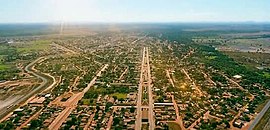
[174, 126]
[120, 95]
[3, 67]
[39, 45]
[250, 45]
[238, 41]
[251, 59]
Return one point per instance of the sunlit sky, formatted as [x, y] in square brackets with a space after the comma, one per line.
[31, 11]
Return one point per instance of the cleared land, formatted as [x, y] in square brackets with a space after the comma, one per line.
[174, 126]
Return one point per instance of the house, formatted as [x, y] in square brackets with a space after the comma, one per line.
[237, 77]
[18, 110]
[37, 100]
[238, 123]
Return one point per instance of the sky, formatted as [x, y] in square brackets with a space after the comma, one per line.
[39, 11]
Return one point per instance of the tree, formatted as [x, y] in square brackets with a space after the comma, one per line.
[160, 99]
[121, 99]
[246, 118]
[9, 126]
[132, 109]
[115, 98]
[108, 105]
[35, 123]
[98, 108]
[116, 121]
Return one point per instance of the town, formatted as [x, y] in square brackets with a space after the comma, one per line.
[126, 81]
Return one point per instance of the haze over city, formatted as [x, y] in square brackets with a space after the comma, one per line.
[37, 11]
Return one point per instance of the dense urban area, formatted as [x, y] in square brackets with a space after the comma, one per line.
[159, 77]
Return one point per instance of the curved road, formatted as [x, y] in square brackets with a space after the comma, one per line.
[42, 86]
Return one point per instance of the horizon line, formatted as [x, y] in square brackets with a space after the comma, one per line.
[142, 22]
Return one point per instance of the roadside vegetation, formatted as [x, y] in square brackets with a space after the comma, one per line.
[264, 121]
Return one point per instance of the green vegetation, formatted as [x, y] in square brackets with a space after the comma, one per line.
[119, 95]
[251, 59]
[87, 102]
[8, 53]
[34, 46]
[261, 106]
[266, 74]
[4, 67]
[225, 64]
[7, 71]
[11, 53]
[210, 57]
[35, 124]
[230, 67]
[120, 91]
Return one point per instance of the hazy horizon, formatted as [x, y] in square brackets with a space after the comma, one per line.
[117, 11]
[152, 22]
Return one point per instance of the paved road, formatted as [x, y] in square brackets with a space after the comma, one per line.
[138, 123]
[42, 86]
[259, 116]
[72, 102]
[151, 119]
[208, 78]
[170, 79]
[64, 48]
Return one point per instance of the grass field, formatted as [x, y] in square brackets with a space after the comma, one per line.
[210, 57]
[174, 126]
[86, 101]
[34, 46]
[3, 67]
[119, 95]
